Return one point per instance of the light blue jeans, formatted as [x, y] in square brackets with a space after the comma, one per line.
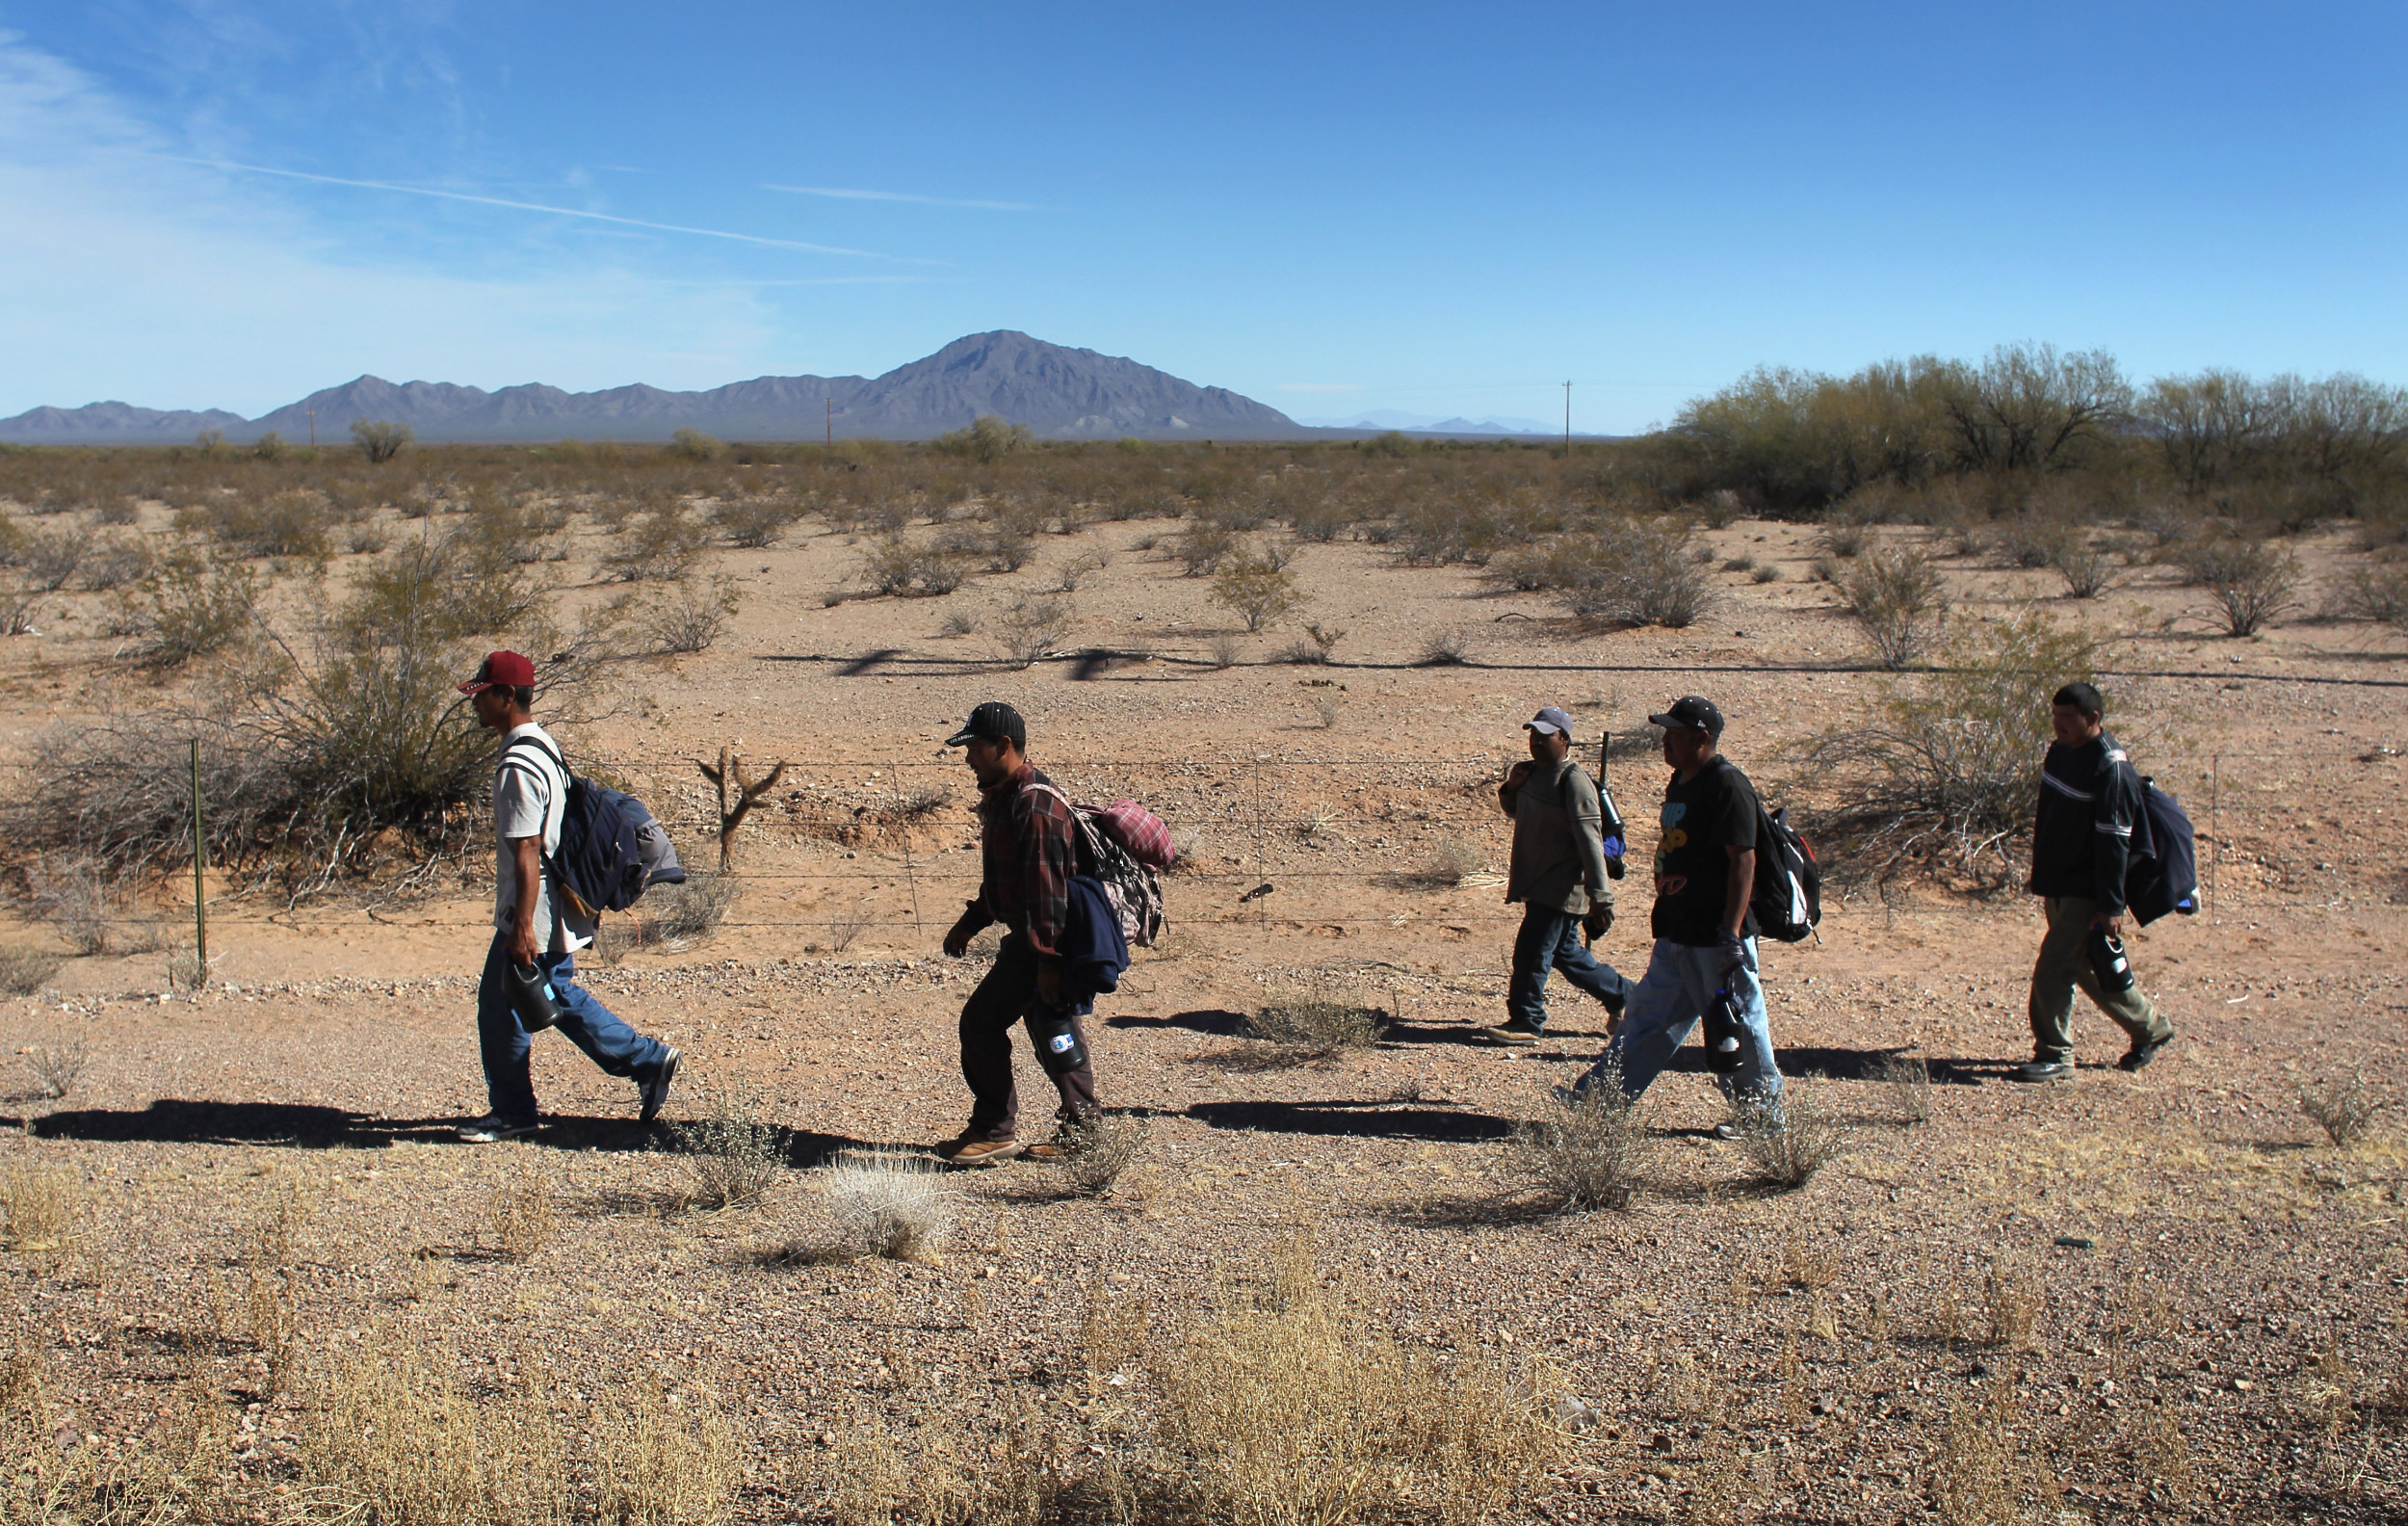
[1668, 1001]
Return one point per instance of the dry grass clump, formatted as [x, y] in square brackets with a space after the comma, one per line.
[2014, 1300]
[25, 971]
[1446, 648]
[521, 1213]
[2343, 1107]
[56, 1068]
[1292, 1407]
[1907, 1079]
[907, 568]
[37, 1207]
[1452, 862]
[1786, 1140]
[2378, 593]
[887, 1203]
[1313, 1028]
[735, 1156]
[1588, 1152]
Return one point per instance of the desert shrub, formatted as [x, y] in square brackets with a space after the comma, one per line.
[1447, 648]
[1843, 537]
[1030, 629]
[691, 617]
[1258, 590]
[2341, 1107]
[25, 971]
[1907, 1079]
[692, 910]
[291, 523]
[1899, 598]
[1313, 1028]
[1322, 517]
[691, 444]
[2249, 582]
[1949, 765]
[1292, 1406]
[1788, 1138]
[2375, 594]
[379, 440]
[47, 561]
[890, 1205]
[37, 1207]
[366, 536]
[521, 1213]
[2031, 542]
[506, 529]
[1638, 572]
[1101, 1153]
[905, 569]
[2088, 567]
[440, 590]
[996, 547]
[74, 895]
[662, 546]
[758, 521]
[188, 608]
[1201, 548]
[1765, 573]
[987, 439]
[1452, 861]
[956, 622]
[734, 1155]
[1588, 1152]
[19, 609]
[56, 1068]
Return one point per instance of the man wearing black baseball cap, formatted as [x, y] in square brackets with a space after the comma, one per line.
[1704, 961]
[1027, 854]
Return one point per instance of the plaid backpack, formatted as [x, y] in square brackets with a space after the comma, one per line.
[1124, 869]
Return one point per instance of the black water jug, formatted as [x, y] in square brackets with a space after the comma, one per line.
[1057, 1041]
[2108, 962]
[1725, 1022]
[532, 997]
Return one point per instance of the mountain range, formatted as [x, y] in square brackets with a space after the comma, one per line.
[1059, 393]
[1431, 424]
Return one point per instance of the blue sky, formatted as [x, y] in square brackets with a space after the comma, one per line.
[1331, 209]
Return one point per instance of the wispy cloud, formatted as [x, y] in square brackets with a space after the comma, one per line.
[842, 195]
[1319, 387]
[537, 206]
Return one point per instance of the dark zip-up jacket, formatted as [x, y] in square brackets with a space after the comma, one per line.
[2081, 839]
[1028, 855]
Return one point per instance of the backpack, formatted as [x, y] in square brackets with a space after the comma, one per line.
[1788, 898]
[2162, 873]
[611, 848]
[1131, 886]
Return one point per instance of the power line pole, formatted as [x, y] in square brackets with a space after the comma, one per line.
[1567, 418]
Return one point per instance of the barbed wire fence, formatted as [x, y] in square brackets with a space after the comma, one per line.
[1377, 849]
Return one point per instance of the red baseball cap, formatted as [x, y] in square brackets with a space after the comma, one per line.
[502, 670]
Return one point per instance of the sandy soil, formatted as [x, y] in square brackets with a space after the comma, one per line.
[2223, 1289]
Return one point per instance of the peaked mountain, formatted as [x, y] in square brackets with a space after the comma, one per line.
[1059, 394]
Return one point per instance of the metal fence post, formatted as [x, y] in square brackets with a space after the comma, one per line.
[200, 889]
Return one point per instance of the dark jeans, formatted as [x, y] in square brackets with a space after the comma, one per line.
[1003, 998]
[1550, 939]
[601, 1033]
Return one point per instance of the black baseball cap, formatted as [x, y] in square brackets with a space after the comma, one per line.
[992, 722]
[1692, 711]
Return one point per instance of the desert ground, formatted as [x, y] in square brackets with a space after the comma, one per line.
[2166, 1295]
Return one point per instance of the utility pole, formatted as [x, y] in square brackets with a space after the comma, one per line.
[200, 889]
[1567, 418]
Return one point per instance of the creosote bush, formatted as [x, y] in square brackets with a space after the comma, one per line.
[1258, 589]
[1315, 1029]
[1030, 630]
[906, 568]
[1788, 1139]
[2341, 1107]
[1898, 597]
[735, 1156]
[25, 971]
[2249, 582]
[1587, 1153]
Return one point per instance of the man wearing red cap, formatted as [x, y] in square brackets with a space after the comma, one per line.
[533, 923]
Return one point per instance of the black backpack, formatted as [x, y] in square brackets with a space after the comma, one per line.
[1788, 898]
[2162, 873]
[612, 848]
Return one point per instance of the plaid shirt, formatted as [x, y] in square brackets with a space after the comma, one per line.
[1028, 854]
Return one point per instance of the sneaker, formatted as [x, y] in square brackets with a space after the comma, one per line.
[2042, 1070]
[1513, 1032]
[655, 1092]
[493, 1128]
[1726, 1130]
[967, 1151]
[2143, 1052]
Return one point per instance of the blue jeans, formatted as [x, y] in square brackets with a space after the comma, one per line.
[601, 1033]
[1669, 1000]
[1550, 939]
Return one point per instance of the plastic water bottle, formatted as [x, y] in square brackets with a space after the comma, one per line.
[1724, 1022]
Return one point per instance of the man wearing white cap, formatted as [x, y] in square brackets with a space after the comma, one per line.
[1558, 875]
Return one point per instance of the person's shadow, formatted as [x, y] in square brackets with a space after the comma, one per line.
[178, 1120]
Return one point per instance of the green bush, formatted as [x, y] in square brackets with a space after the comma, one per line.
[1898, 597]
[1257, 588]
[188, 608]
[987, 439]
[379, 440]
[905, 569]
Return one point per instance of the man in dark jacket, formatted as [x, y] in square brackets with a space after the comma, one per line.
[1558, 875]
[1028, 854]
[2081, 843]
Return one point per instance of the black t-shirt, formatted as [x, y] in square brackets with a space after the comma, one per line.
[1713, 811]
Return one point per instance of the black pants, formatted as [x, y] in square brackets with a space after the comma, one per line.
[1003, 999]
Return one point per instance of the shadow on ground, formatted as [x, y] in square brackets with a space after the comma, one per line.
[1352, 1120]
